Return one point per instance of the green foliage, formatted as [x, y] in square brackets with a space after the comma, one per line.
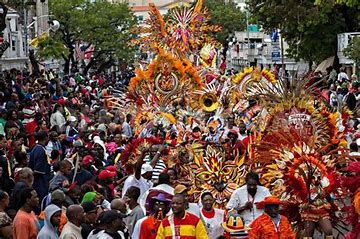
[353, 50]
[227, 15]
[98, 24]
[51, 48]
[311, 30]
[350, 3]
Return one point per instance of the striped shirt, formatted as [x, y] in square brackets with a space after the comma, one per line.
[159, 168]
[189, 227]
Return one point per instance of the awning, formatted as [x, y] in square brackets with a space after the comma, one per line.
[325, 64]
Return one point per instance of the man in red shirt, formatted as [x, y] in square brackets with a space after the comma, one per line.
[147, 228]
[181, 224]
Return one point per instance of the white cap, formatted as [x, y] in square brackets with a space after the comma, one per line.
[146, 168]
[73, 119]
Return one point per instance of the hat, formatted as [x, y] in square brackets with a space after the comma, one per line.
[234, 223]
[106, 174]
[269, 200]
[57, 195]
[89, 207]
[61, 101]
[101, 128]
[161, 197]
[146, 168]
[88, 159]
[111, 168]
[72, 119]
[179, 189]
[107, 217]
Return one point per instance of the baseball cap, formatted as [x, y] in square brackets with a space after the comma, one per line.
[88, 159]
[179, 189]
[106, 174]
[111, 168]
[146, 168]
[108, 216]
[57, 195]
[89, 207]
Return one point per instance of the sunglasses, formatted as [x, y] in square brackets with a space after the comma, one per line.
[159, 203]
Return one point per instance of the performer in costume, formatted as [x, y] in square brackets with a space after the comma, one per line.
[271, 224]
[148, 227]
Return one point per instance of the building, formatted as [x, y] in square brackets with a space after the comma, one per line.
[141, 7]
[14, 56]
[256, 48]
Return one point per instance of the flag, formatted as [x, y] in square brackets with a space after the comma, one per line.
[89, 52]
[79, 52]
[35, 42]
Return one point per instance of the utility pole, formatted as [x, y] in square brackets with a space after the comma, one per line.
[26, 32]
[282, 52]
[42, 9]
[248, 35]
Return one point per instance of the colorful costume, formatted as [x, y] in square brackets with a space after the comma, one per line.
[264, 228]
[190, 227]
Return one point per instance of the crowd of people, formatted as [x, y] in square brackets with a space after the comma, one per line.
[61, 177]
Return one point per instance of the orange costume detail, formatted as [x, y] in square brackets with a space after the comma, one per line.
[149, 227]
[264, 228]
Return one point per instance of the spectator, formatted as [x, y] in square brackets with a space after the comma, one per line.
[6, 228]
[52, 221]
[26, 179]
[244, 198]
[88, 225]
[141, 177]
[118, 205]
[26, 224]
[212, 217]
[57, 118]
[60, 181]
[72, 228]
[131, 199]
[181, 223]
[40, 164]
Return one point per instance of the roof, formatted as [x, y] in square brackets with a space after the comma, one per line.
[174, 3]
[140, 8]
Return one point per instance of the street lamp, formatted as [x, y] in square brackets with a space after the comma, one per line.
[36, 19]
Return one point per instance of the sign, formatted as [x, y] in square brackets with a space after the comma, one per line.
[299, 117]
[252, 28]
[275, 56]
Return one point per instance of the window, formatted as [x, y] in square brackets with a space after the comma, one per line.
[13, 45]
[140, 19]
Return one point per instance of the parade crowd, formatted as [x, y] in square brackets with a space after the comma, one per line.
[61, 177]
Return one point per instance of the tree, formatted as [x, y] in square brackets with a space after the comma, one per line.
[309, 29]
[350, 3]
[4, 45]
[100, 24]
[227, 15]
[353, 50]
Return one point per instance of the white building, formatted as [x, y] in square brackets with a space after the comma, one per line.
[14, 56]
[256, 48]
